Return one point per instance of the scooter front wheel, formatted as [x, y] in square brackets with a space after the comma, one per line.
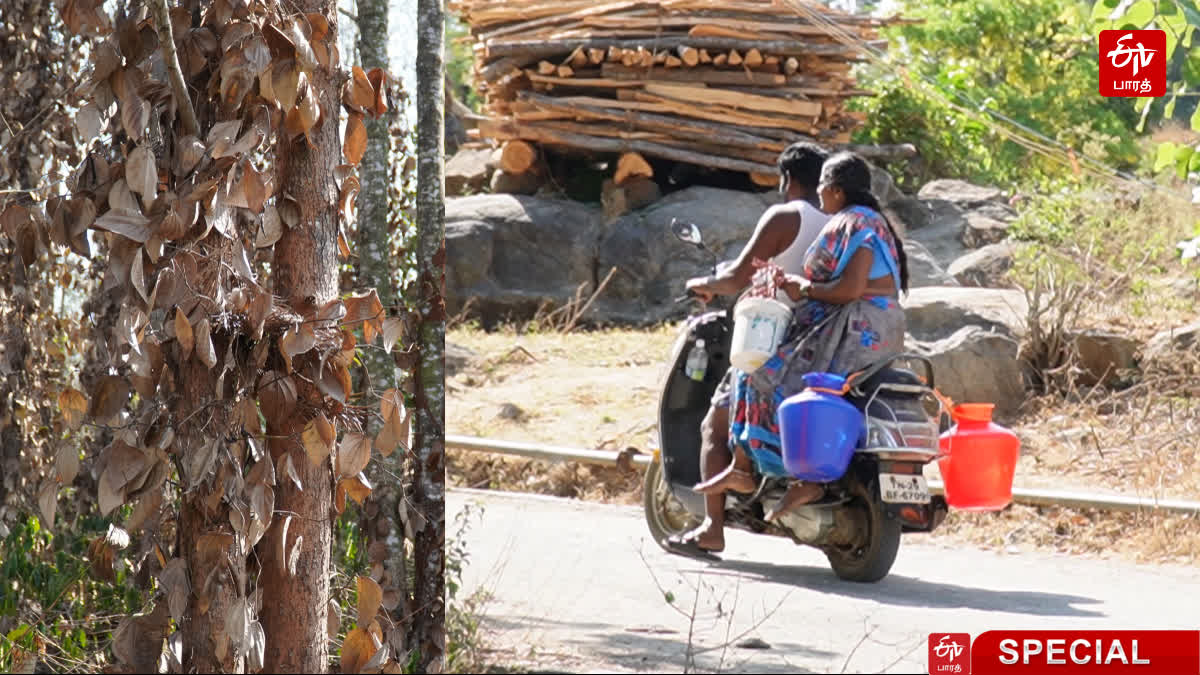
[666, 516]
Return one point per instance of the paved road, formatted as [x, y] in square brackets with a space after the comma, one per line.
[576, 588]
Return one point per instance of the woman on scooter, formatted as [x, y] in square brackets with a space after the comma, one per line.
[847, 316]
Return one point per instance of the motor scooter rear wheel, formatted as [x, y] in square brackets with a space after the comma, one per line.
[666, 516]
[864, 545]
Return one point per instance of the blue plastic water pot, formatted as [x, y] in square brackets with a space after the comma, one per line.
[819, 429]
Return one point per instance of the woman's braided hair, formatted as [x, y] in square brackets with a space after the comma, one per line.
[851, 173]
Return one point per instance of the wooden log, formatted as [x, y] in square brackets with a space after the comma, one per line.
[629, 58]
[565, 71]
[619, 199]
[660, 58]
[705, 57]
[764, 179]
[735, 59]
[707, 75]
[771, 60]
[791, 65]
[632, 164]
[754, 58]
[582, 107]
[596, 56]
[544, 48]
[615, 54]
[725, 115]
[689, 55]
[534, 133]
[517, 156]
[733, 99]
[720, 59]
[579, 58]
[501, 67]
[674, 61]
[645, 57]
[546, 68]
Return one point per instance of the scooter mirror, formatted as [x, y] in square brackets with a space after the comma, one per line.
[687, 233]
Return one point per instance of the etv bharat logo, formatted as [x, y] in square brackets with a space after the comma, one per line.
[1133, 63]
[950, 654]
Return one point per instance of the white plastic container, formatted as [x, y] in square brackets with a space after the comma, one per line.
[759, 325]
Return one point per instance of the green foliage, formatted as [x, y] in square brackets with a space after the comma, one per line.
[49, 596]
[463, 615]
[1032, 61]
[460, 62]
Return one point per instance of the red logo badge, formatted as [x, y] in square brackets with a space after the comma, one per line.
[950, 654]
[1133, 63]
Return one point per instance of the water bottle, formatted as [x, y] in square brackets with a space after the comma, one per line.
[697, 362]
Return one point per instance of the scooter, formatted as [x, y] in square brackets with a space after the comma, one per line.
[859, 521]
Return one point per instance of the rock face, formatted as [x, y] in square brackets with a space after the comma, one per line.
[1103, 355]
[985, 267]
[959, 192]
[973, 365]
[936, 312]
[512, 253]
[923, 269]
[1183, 337]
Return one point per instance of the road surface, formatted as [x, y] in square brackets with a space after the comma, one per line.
[580, 587]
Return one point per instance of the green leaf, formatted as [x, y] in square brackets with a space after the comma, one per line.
[1194, 162]
[1165, 156]
[1183, 154]
[1196, 119]
[1101, 11]
[1169, 109]
[670, 597]
[18, 632]
[1140, 14]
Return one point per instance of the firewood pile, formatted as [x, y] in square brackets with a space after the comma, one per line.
[725, 85]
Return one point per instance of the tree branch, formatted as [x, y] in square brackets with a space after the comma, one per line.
[166, 37]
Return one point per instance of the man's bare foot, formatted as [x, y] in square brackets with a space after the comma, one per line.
[732, 478]
[798, 494]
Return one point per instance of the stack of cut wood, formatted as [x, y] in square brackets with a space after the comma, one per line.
[726, 85]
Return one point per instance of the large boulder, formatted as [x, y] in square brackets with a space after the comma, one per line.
[960, 193]
[937, 312]
[1103, 356]
[938, 225]
[1174, 339]
[512, 253]
[983, 229]
[973, 365]
[923, 268]
[985, 267]
[653, 265]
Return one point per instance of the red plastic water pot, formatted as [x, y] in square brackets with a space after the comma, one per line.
[979, 460]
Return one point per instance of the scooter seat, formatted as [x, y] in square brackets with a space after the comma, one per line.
[866, 389]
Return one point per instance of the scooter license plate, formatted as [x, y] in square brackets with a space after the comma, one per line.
[900, 488]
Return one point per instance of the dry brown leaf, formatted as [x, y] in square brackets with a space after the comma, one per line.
[333, 621]
[89, 122]
[289, 470]
[282, 542]
[365, 309]
[221, 138]
[319, 25]
[343, 245]
[271, 228]
[100, 557]
[297, 340]
[285, 83]
[237, 622]
[141, 173]
[138, 640]
[137, 277]
[353, 454]
[188, 153]
[304, 53]
[263, 472]
[357, 650]
[256, 648]
[317, 439]
[356, 139]
[48, 503]
[73, 405]
[355, 487]
[256, 313]
[378, 80]
[289, 212]
[359, 93]
[146, 508]
[66, 464]
[391, 436]
[293, 559]
[111, 394]
[277, 396]
[391, 406]
[204, 344]
[184, 335]
[129, 224]
[310, 109]
[174, 580]
[370, 595]
[135, 116]
[393, 329]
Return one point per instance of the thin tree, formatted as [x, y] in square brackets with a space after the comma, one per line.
[429, 632]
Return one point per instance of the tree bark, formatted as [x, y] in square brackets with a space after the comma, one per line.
[429, 632]
[304, 270]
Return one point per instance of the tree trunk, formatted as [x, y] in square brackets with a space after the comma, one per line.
[429, 632]
[304, 270]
